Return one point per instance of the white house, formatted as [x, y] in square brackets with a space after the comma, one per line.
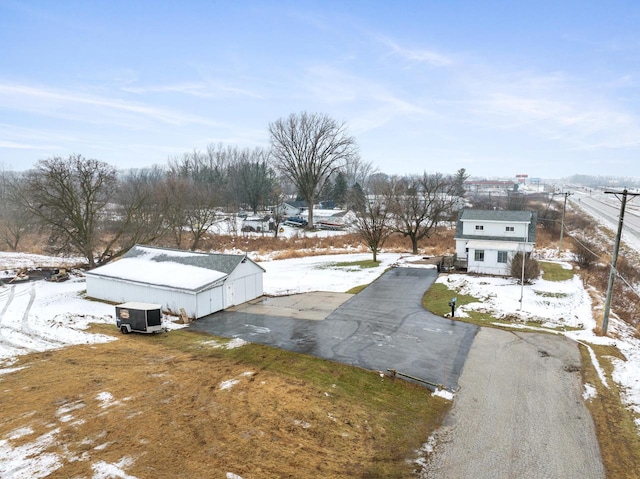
[199, 283]
[258, 224]
[487, 239]
[288, 209]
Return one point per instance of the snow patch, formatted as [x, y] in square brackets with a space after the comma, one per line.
[443, 393]
[228, 384]
[589, 392]
[105, 470]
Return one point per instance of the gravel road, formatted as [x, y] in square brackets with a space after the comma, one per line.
[519, 413]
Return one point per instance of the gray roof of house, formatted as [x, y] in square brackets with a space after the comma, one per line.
[530, 217]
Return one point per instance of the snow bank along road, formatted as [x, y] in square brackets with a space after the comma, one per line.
[519, 413]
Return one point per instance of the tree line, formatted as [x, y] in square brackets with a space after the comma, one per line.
[87, 207]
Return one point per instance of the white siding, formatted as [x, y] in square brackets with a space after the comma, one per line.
[461, 248]
[121, 291]
[209, 301]
[495, 228]
[490, 264]
[243, 284]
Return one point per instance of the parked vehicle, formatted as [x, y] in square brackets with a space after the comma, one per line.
[139, 317]
[295, 221]
[329, 225]
[56, 275]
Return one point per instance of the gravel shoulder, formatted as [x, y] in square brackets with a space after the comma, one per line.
[519, 413]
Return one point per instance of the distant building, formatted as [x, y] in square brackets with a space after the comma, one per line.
[490, 186]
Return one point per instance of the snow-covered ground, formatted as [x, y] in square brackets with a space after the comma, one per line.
[38, 315]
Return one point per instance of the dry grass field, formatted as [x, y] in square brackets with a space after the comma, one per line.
[177, 406]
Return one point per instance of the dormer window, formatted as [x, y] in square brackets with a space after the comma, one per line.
[510, 228]
[479, 227]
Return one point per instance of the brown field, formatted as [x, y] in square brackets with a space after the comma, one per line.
[170, 416]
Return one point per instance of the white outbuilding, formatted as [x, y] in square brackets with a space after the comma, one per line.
[199, 283]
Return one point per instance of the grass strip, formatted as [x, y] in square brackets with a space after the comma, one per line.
[555, 271]
[615, 427]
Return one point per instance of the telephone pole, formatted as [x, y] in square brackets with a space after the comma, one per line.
[614, 259]
[566, 194]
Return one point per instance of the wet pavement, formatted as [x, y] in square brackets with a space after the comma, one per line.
[383, 327]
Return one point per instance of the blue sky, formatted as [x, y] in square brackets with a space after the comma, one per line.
[499, 88]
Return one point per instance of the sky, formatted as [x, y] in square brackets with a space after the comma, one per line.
[499, 88]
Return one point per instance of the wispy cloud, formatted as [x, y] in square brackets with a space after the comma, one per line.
[203, 90]
[369, 104]
[57, 103]
[417, 55]
[24, 146]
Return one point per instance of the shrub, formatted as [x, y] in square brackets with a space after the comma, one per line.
[531, 268]
[584, 253]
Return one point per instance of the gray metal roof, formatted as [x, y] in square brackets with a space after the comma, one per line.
[225, 263]
[496, 215]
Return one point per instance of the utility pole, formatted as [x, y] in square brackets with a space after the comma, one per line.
[614, 259]
[564, 209]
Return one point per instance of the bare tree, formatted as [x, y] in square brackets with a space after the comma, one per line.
[70, 197]
[308, 148]
[359, 171]
[198, 184]
[200, 214]
[15, 220]
[141, 206]
[419, 204]
[254, 177]
[176, 191]
[374, 219]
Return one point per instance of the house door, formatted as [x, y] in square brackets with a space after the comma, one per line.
[230, 299]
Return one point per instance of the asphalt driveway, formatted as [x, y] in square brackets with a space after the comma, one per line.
[383, 327]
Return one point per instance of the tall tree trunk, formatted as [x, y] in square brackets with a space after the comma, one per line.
[414, 243]
[310, 220]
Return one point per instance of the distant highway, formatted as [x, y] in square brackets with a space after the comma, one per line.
[606, 209]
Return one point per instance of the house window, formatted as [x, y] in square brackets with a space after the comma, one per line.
[502, 256]
[479, 227]
[479, 256]
[510, 228]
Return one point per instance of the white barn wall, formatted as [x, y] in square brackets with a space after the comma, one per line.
[243, 284]
[209, 301]
[122, 291]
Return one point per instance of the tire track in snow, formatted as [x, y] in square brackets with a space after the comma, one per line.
[25, 317]
[9, 300]
[24, 329]
[5, 342]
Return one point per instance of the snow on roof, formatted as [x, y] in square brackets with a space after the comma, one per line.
[179, 269]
